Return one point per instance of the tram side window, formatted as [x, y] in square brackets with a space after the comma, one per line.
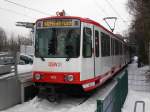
[87, 42]
[97, 43]
[105, 45]
[120, 48]
[116, 47]
[112, 47]
[123, 50]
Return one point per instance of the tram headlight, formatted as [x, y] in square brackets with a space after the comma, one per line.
[69, 78]
[37, 76]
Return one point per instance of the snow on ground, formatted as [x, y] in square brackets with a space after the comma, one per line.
[139, 78]
[25, 72]
[24, 68]
[134, 96]
[139, 88]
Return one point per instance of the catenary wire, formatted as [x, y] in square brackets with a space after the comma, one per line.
[112, 7]
[23, 6]
[17, 13]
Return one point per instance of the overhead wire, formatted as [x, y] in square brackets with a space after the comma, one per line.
[35, 10]
[23, 6]
[103, 11]
[101, 8]
[116, 11]
[17, 13]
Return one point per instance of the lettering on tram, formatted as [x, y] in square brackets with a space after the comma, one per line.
[58, 23]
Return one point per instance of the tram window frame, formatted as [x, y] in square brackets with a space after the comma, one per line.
[105, 45]
[87, 49]
[96, 43]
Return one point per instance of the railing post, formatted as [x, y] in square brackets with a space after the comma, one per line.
[16, 59]
[135, 106]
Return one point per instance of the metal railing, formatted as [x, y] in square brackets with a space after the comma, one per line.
[139, 102]
[114, 101]
[9, 59]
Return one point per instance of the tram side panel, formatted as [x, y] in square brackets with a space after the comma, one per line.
[87, 63]
[97, 49]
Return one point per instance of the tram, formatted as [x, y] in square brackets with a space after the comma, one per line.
[73, 53]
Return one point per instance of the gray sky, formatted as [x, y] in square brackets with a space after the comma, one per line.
[93, 9]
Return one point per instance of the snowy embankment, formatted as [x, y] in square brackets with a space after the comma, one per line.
[139, 89]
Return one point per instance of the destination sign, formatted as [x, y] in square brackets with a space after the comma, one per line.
[59, 23]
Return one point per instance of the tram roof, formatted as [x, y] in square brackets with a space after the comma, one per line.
[86, 20]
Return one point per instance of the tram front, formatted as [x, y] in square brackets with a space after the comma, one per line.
[57, 52]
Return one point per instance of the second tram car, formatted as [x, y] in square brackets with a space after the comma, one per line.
[74, 52]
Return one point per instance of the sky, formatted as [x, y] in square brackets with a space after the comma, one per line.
[31, 10]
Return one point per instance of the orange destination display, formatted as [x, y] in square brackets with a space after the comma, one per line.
[50, 23]
[59, 23]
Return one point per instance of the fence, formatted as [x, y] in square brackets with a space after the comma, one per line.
[8, 63]
[114, 95]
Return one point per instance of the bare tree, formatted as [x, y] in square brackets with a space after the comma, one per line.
[3, 39]
[140, 28]
[12, 43]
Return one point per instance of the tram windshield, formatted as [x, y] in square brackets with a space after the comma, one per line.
[57, 42]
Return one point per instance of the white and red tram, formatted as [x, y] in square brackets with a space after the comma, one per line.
[75, 52]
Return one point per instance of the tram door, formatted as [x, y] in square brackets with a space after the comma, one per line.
[87, 52]
[97, 53]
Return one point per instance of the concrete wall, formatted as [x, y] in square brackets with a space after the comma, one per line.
[10, 92]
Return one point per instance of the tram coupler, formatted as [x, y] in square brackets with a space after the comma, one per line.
[49, 93]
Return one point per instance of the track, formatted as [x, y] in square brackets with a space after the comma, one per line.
[78, 100]
[84, 100]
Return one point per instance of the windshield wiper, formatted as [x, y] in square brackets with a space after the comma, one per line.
[67, 59]
[42, 58]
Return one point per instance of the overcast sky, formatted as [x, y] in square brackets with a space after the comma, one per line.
[93, 9]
